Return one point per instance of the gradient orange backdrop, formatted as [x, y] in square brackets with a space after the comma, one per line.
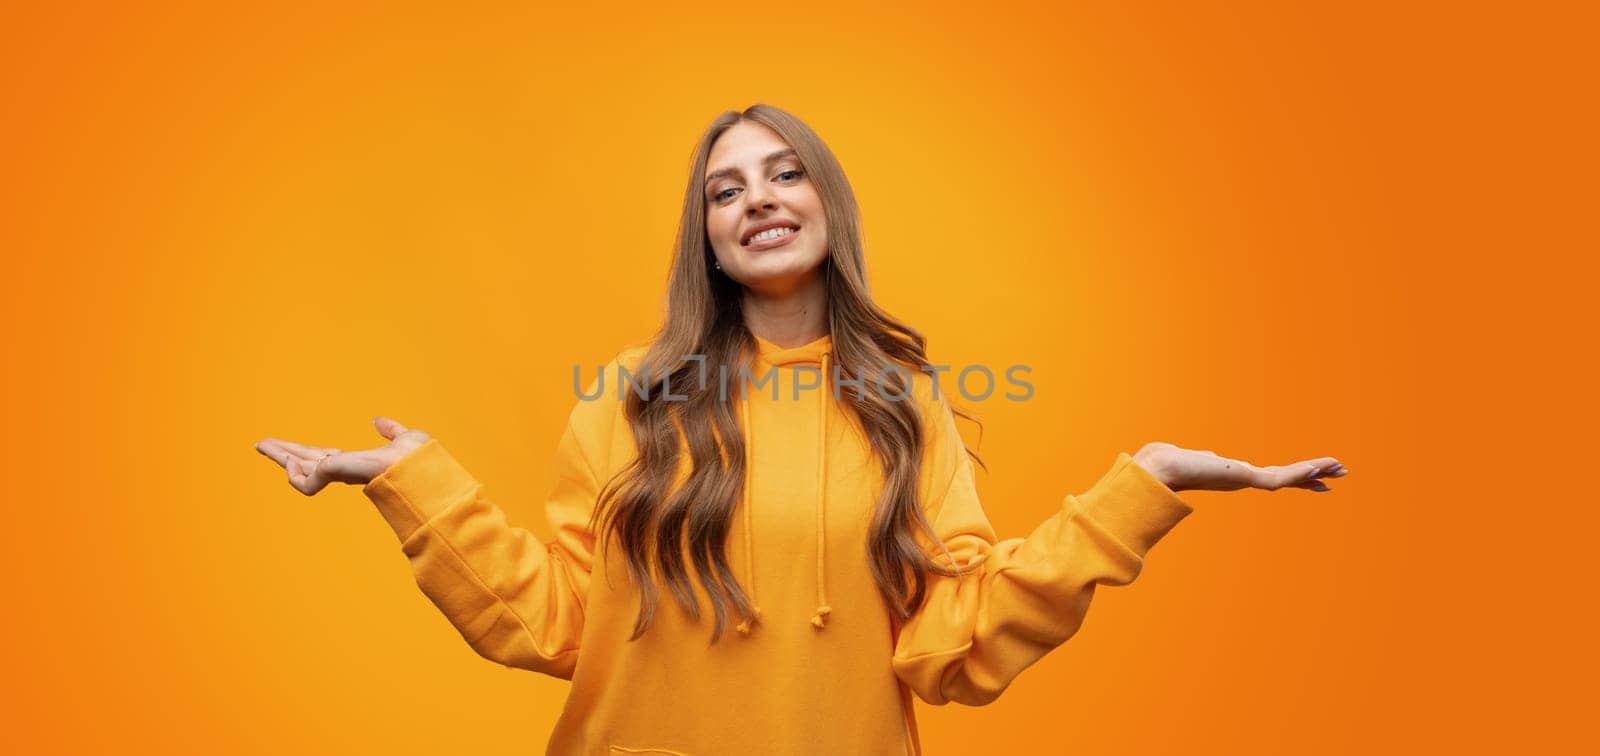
[1274, 233]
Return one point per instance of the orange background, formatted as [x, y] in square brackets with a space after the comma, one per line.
[1274, 233]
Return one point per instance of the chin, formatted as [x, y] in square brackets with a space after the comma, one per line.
[774, 270]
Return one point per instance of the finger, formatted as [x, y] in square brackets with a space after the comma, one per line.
[304, 451]
[316, 475]
[1299, 474]
[1330, 473]
[280, 451]
[273, 451]
[1281, 476]
[1334, 470]
[1320, 463]
[317, 452]
[297, 477]
[306, 476]
[1288, 475]
[388, 427]
[1313, 485]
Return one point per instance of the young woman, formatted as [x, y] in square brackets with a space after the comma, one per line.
[778, 569]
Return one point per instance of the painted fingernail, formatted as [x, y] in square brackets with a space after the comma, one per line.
[1336, 466]
[1313, 472]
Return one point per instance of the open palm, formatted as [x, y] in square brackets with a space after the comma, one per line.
[1189, 469]
[312, 468]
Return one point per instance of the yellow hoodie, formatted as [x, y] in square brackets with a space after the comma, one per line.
[824, 669]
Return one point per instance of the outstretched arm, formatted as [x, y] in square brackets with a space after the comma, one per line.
[1024, 596]
[515, 600]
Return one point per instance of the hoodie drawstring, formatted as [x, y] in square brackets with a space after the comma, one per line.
[819, 619]
[823, 610]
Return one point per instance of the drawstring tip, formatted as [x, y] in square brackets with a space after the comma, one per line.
[744, 627]
[820, 619]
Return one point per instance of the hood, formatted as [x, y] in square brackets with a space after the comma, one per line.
[768, 354]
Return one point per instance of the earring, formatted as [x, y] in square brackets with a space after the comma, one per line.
[717, 265]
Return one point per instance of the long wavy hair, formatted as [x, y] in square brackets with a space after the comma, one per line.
[655, 523]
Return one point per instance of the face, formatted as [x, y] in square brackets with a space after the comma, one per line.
[756, 183]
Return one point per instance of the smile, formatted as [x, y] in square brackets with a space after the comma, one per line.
[772, 237]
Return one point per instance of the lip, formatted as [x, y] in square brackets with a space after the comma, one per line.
[774, 243]
[766, 225]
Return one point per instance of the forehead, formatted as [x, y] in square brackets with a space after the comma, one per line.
[745, 143]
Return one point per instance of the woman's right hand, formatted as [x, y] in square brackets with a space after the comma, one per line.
[311, 468]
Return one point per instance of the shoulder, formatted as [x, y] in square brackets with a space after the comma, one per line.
[631, 355]
[930, 393]
[589, 378]
[598, 409]
[944, 451]
[940, 408]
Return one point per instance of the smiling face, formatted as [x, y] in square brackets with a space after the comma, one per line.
[764, 217]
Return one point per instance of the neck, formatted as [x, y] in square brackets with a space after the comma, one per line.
[789, 318]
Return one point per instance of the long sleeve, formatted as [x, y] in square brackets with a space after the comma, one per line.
[976, 633]
[515, 600]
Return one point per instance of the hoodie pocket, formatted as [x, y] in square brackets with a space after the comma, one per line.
[620, 751]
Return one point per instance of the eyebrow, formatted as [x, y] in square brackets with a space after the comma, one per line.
[772, 158]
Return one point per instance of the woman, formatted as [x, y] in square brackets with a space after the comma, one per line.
[836, 532]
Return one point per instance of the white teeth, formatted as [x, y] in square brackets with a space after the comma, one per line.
[771, 233]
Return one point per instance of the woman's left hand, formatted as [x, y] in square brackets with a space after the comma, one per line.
[1187, 469]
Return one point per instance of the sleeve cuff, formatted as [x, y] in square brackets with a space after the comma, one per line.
[1133, 505]
[419, 485]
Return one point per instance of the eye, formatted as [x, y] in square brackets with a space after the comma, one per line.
[791, 174]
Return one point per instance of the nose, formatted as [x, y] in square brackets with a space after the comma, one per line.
[759, 199]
